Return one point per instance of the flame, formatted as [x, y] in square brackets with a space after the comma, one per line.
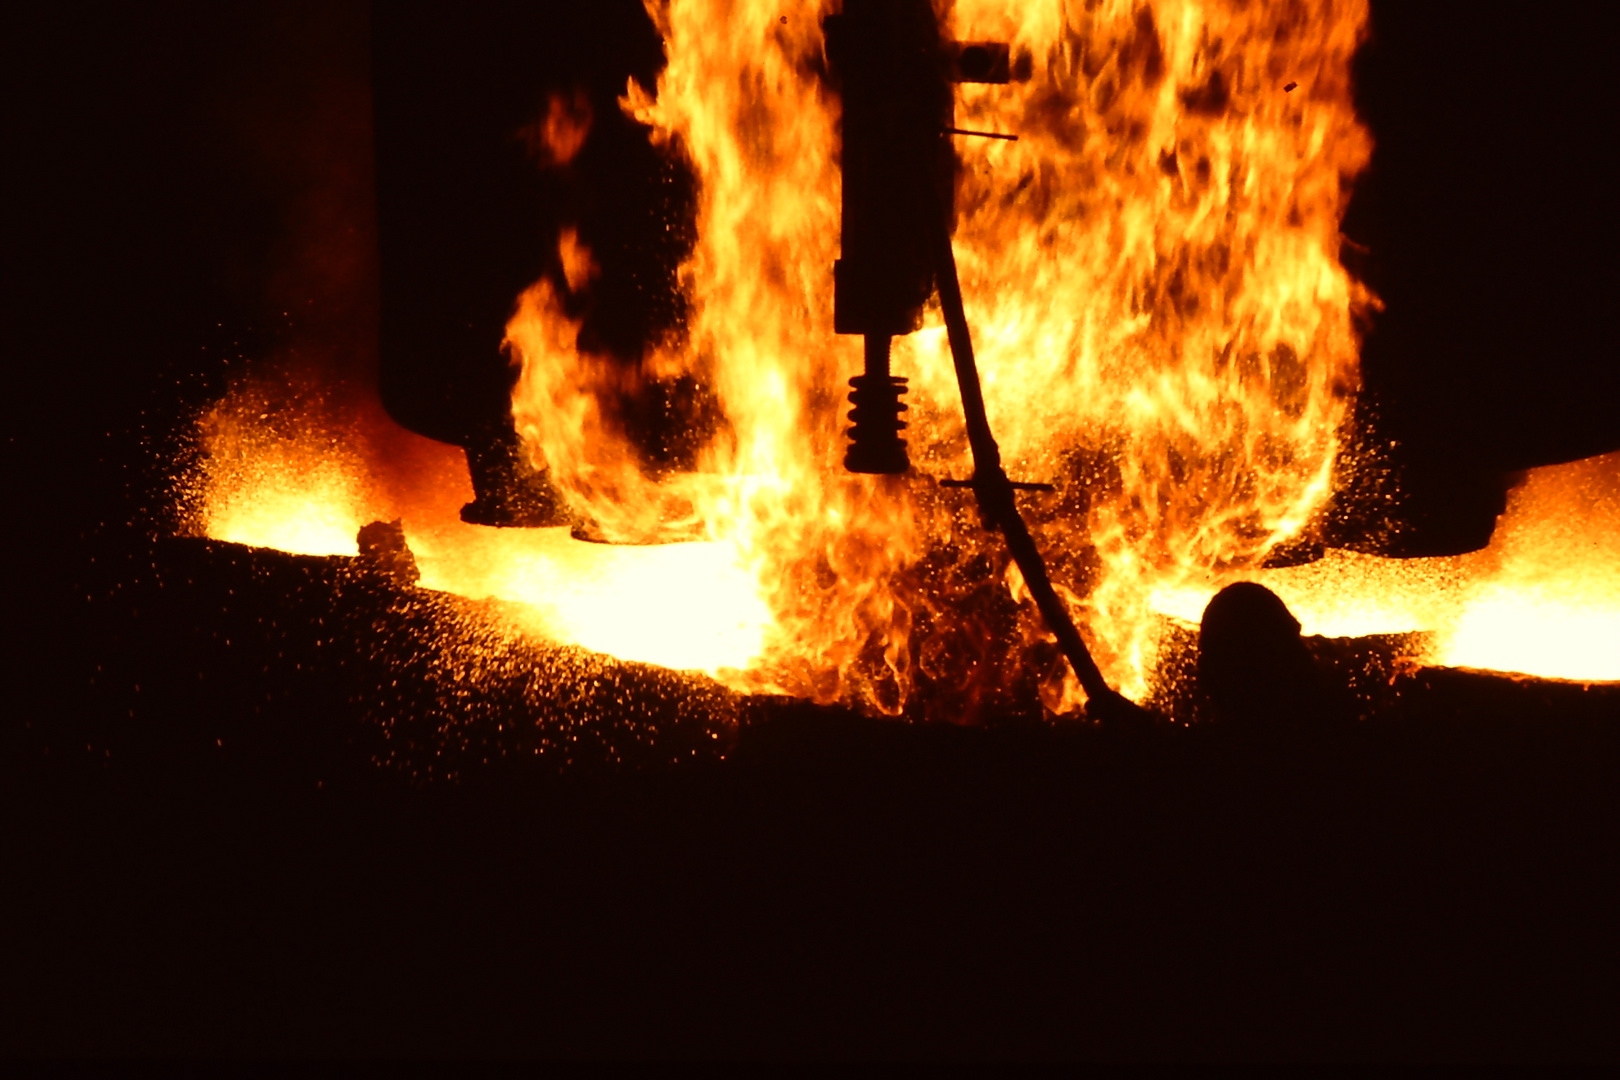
[1182, 317]
[1151, 272]
[557, 137]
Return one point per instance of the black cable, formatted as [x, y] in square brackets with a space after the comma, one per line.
[994, 492]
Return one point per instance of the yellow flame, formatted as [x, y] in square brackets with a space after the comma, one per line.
[1151, 273]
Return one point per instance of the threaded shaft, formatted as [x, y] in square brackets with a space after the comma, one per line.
[875, 442]
[875, 445]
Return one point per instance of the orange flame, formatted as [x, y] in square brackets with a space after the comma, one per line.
[558, 136]
[1151, 272]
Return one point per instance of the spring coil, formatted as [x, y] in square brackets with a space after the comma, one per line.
[875, 444]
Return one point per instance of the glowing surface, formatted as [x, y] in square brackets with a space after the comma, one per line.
[1553, 636]
[310, 514]
[685, 606]
[299, 490]
[1543, 598]
[1346, 594]
[1550, 603]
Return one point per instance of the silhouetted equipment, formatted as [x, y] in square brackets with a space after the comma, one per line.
[508, 491]
[1253, 667]
[892, 73]
[1493, 352]
[467, 219]
[383, 550]
[459, 222]
[982, 134]
[1486, 227]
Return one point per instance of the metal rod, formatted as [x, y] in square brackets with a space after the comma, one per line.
[1021, 485]
[980, 134]
[994, 492]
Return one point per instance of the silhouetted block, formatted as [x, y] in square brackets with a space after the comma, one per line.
[1253, 667]
[383, 550]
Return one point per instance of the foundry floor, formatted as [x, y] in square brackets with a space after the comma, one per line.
[227, 872]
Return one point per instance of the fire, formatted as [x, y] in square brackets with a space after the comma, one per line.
[1151, 272]
[1182, 323]
[1164, 330]
[556, 138]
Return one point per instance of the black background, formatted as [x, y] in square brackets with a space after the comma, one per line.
[1443, 890]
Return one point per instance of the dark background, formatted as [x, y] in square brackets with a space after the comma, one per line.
[189, 196]
[1487, 223]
